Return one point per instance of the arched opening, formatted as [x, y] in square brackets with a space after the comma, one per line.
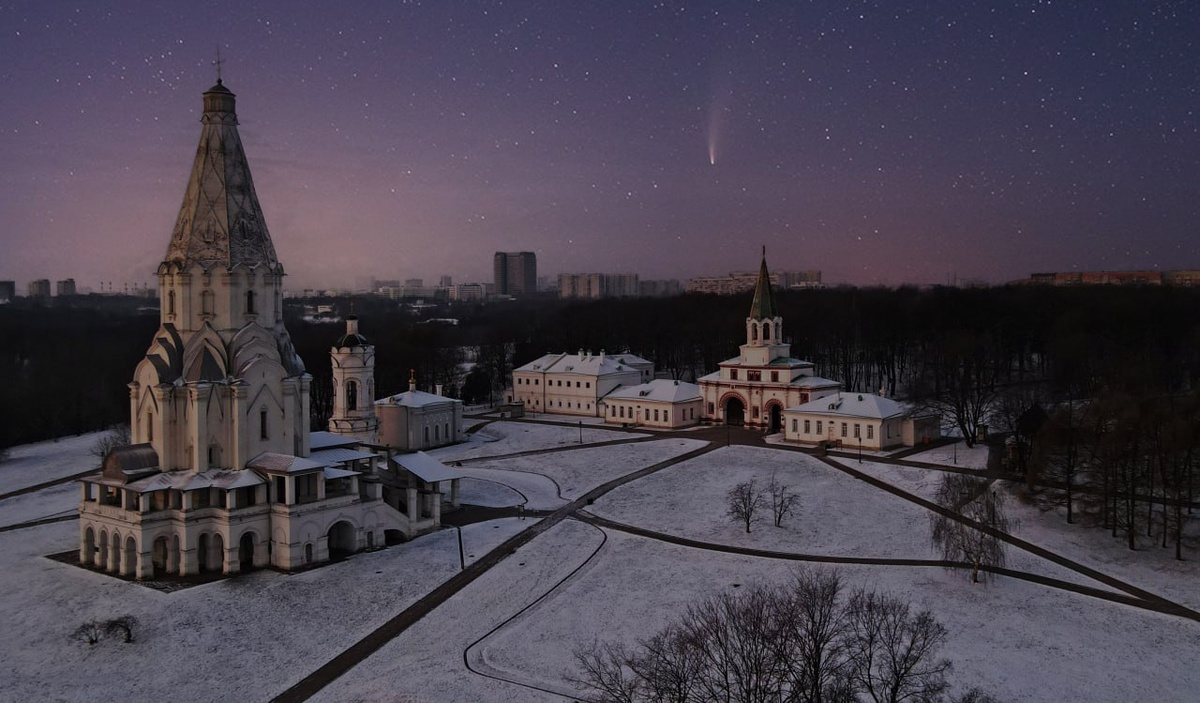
[89, 547]
[250, 302]
[202, 556]
[753, 331]
[351, 395]
[246, 551]
[391, 537]
[158, 556]
[217, 559]
[102, 553]
[114, 553]
[171, 303]
[341, 540]
[129, 566]
[735, 411]
[767, 331]
[776, 418]
[308, 553]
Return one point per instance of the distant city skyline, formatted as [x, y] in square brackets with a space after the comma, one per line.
[878, 145]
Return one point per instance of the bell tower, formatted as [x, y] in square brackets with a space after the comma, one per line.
[353, 359]
[764, 325]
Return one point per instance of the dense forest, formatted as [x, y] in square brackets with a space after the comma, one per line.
[1099, 387]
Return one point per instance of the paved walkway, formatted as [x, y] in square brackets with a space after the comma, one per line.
[357, 652]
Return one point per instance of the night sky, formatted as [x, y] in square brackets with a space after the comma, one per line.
[877, 143]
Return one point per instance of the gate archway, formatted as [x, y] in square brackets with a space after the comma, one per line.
[735, 411]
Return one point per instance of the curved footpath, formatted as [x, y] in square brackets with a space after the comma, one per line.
[357, 652]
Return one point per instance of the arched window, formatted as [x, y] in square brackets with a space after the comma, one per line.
[351, 395]
[150, 427]
[767, 331]
[171, 302]
[753, 331]
[206, 302]
[249, 302]
[262, 424]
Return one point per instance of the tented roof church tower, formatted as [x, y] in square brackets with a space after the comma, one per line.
[755, 387]
[220, 475]
[221, 383]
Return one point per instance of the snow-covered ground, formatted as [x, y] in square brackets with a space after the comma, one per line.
[32, 464]
[502, 437]
[252, 636]
[958, 454]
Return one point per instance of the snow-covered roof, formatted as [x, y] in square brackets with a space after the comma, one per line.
[339, 455]
[865, 405]
[425, 467]
[283, 463]
[325, 440]
[659, 390]
[585, 363]
[814, 382]
[331, 473]
[415, 399]
[226, 479]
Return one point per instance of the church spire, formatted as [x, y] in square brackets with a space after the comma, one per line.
[763, 306]
[220, 222]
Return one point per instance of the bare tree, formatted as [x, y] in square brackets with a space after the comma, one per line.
[803, 643]
[117, 436]
[122, 626]
[969, 531]
[893, 652]
[608, 670]
[744, 502]
[812, 638]
[89, 632]
[783, 500]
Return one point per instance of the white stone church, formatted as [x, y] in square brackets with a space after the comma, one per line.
[222, 473]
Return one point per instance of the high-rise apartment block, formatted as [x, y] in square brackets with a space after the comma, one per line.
[8, 290]
[597, 285]
[39, 288]
[515, 273]
[65, 287]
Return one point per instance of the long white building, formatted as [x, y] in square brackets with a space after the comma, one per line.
[574, 384]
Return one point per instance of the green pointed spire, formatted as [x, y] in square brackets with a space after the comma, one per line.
[763, 307]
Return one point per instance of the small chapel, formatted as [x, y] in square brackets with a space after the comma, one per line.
[222, 473]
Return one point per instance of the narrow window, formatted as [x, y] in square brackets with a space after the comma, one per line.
[807, 427]
[843, 429]
[818, 427]
[774, 377]
[351, 395]
[206, 302]
[870, 432]
[171, 303]
[262, 424]
[150, 427]
[794, 425]
[733, 374]
[249, 302]
[857, 431]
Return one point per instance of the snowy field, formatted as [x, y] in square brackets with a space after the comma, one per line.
[502, 437]
[250, 637]
[32, 464]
